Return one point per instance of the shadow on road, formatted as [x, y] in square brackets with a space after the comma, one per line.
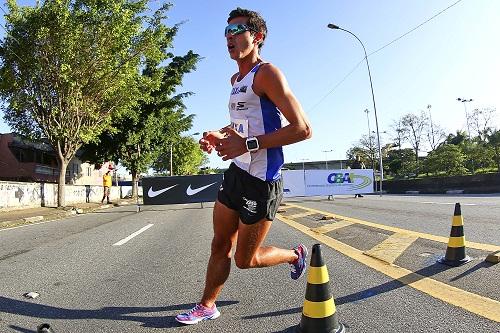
[23, 308]
[367, 293]
[394, 284]
[21, 329]
[482, 264]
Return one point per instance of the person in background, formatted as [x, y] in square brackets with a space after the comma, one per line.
[106, 184]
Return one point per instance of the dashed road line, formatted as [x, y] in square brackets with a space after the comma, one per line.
[295, 216]
[126, 239]
[482, 306]
[329, 227]
[391, 248]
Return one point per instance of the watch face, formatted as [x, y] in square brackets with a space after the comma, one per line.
[252, 144]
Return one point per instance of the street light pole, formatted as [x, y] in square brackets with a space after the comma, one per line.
[335, 27]
[370, 140]
[326, 157]
[464, 101]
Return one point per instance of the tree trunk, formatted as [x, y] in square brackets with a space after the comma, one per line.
[135, 180]
[61, 198]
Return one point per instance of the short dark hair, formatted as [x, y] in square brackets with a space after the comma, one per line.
[255, 21]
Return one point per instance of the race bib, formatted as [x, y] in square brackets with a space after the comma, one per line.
[241, 126]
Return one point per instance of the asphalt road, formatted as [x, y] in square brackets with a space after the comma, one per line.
[88, 284]
[424, 213]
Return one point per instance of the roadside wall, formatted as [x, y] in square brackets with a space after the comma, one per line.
[18, 195]
[482, 183]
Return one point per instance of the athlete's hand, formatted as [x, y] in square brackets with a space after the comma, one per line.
[210, 140]
[232, 145]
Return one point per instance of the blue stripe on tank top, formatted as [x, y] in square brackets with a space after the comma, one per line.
[272, 122]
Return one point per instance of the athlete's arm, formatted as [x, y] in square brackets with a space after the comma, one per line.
[269, 82]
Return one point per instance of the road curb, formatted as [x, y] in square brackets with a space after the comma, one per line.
[57, 215]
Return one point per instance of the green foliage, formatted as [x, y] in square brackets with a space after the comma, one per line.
[456, 139]
[446, 158]
[494, 143]
[187, 158]
[137, 138]
[69, 67]
[401, 163]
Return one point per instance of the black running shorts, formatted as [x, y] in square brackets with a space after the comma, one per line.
[254, 199]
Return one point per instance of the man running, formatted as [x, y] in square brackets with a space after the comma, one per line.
[252, 188]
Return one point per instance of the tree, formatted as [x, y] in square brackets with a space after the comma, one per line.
[401, 163]
[494, 142]
[414, 127]
[456, 139]
[68, 66]
[139, 137]
[480, 121]
[365, 149]
[434, 132]
[187, 158]
[400, 135]
[448, 159]
[146, 133]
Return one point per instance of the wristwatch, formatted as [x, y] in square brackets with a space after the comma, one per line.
[252, 144]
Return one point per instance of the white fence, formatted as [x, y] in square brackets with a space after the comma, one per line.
[16, 195]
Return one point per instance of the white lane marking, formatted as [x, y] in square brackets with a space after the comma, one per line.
[447, 203]
[126, 239]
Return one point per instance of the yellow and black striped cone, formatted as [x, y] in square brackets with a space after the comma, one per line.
[319, 313]
[455, 252]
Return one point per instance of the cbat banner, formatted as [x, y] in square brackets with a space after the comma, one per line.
[327, 182]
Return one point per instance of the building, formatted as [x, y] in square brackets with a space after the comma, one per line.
[27, 161]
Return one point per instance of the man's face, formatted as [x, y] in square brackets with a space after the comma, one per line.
[241, 44]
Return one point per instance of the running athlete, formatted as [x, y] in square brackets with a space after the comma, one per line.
[252, 188]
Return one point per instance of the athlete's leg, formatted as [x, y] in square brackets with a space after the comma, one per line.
[249, 252]
[225, 224]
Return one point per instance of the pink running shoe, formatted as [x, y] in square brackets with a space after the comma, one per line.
[298, 268]
[197, 314]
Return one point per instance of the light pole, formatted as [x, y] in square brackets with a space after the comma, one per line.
[304, 169]
[464, 100]
[171, 155]
[370, 139]
[326, 157]
[336, 27]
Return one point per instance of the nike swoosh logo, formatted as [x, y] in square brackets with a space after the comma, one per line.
[152, 193]
[190, 191]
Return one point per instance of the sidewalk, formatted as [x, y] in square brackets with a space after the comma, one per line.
[17, 217]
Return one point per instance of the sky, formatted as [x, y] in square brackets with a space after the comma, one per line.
[453, 55]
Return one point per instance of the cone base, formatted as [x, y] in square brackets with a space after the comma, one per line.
[340, 329]
[454, 263]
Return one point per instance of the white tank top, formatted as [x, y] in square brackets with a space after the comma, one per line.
[252, 115]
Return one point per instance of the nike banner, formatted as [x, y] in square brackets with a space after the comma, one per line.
[181, 189]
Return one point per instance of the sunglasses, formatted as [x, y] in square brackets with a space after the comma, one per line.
[237, 28]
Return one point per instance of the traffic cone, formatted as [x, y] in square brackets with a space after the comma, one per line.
[44, 328]
[455, 252]
[319, 313]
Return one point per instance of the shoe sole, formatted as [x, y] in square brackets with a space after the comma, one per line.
[305, 263]
[192, 322]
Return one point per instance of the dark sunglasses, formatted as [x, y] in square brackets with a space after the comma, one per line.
[237, 28]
